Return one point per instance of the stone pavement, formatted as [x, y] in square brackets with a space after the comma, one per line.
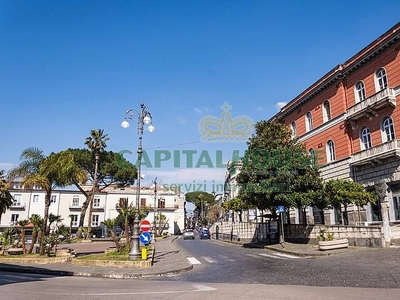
[168, 260]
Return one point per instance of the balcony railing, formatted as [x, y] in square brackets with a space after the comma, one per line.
[369, 106]
[17, 205]
[375, 154]
[75, 206]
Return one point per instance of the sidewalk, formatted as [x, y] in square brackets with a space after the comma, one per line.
[168, 260]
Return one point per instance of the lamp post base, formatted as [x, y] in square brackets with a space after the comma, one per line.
[135, 249]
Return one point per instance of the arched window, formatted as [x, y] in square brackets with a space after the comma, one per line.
[380, 79]
[330, 151]
[326, 112]
[387, 129]
[360, 91]
[308, 121]
[294, 129]
[365, 136]
[313, 159]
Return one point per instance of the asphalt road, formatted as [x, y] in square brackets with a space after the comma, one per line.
[228, 271]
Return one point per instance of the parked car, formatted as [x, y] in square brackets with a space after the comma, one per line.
[205, 234]
[188, 234]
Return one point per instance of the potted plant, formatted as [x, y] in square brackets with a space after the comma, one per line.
[327, 242]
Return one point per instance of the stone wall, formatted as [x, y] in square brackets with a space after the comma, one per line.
[363, 236]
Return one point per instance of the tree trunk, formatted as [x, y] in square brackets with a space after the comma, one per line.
[23, 240]
[345, 216]
[115, 239]
[90, 219]
[83, 214]
[45, 219]
[34, 236]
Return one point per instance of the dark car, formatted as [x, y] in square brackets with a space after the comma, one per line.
[205, 234]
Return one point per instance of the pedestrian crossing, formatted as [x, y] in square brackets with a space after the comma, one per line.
[223, 258]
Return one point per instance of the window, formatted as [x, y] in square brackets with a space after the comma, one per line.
[53, 199]
[96, 202]
[330, 151]
[36, 187]
[14, 219]
[294, 130]
[75, 201]
[142, 202]
[311, 152]
[74, 220]
[360, 91]
[95, 220]
[35, 199]
[381, 79]
[161, 203]
[387, 130]
[16, 186]
[326, 112]
[308, 121]
[16, 200]
[365, 138]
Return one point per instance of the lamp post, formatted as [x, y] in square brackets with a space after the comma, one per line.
[144, 117]
[155, 182]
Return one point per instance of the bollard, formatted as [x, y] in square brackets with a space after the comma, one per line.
[144, 253]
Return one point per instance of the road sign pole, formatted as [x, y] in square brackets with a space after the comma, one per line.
[282, 235]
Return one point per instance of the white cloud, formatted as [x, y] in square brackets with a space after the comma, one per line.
[201, 110]
[279, 105]
[260, 108]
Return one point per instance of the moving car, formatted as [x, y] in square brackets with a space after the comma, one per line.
[205, 234]
[188, 234]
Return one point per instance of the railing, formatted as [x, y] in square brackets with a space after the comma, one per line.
[378, 152]
[374, 102]
[18, 205]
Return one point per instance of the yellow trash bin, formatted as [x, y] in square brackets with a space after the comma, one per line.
[144, 253]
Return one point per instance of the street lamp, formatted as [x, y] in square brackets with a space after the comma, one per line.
[144, 117]
[155, 182]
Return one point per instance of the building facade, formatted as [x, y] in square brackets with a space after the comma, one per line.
[106, 205]
[349, 120]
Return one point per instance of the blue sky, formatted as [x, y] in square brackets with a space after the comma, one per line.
[68, 67]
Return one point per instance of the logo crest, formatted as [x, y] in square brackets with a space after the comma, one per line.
[226, 128]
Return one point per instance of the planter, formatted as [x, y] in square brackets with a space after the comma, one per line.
[332, 245]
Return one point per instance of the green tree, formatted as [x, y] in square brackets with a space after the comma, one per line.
[110, 223]
[58, 169]
[343, 192]
[37, 222]
[96, 143]
[277, 170]
[200, 199]
[53, 219]
[113, 169]
[5, 195]
[22, 225]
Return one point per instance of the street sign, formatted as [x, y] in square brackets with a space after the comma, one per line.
[145, 237]
[145, 225]
[281, 209]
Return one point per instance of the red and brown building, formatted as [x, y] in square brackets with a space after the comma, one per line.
[350, 120]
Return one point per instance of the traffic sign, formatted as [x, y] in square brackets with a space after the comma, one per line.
[145, 237]
[145, 225]
[281, 209]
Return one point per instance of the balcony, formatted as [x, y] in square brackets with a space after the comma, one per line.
[74, 206]
[17, 206]
[98, 207]
[369, 107]
[376, 154]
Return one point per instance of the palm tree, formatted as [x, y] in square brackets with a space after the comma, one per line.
[22, 224]
[110, 223]
[37, 222]
[53, 219]
[58, 169]
[5, 196]
[96, 142]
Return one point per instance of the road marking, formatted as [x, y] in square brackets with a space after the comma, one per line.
[193, 261]
[226, 258]
[279, 255]
[209, 259]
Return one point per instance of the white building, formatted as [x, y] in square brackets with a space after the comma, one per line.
[106, 205]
